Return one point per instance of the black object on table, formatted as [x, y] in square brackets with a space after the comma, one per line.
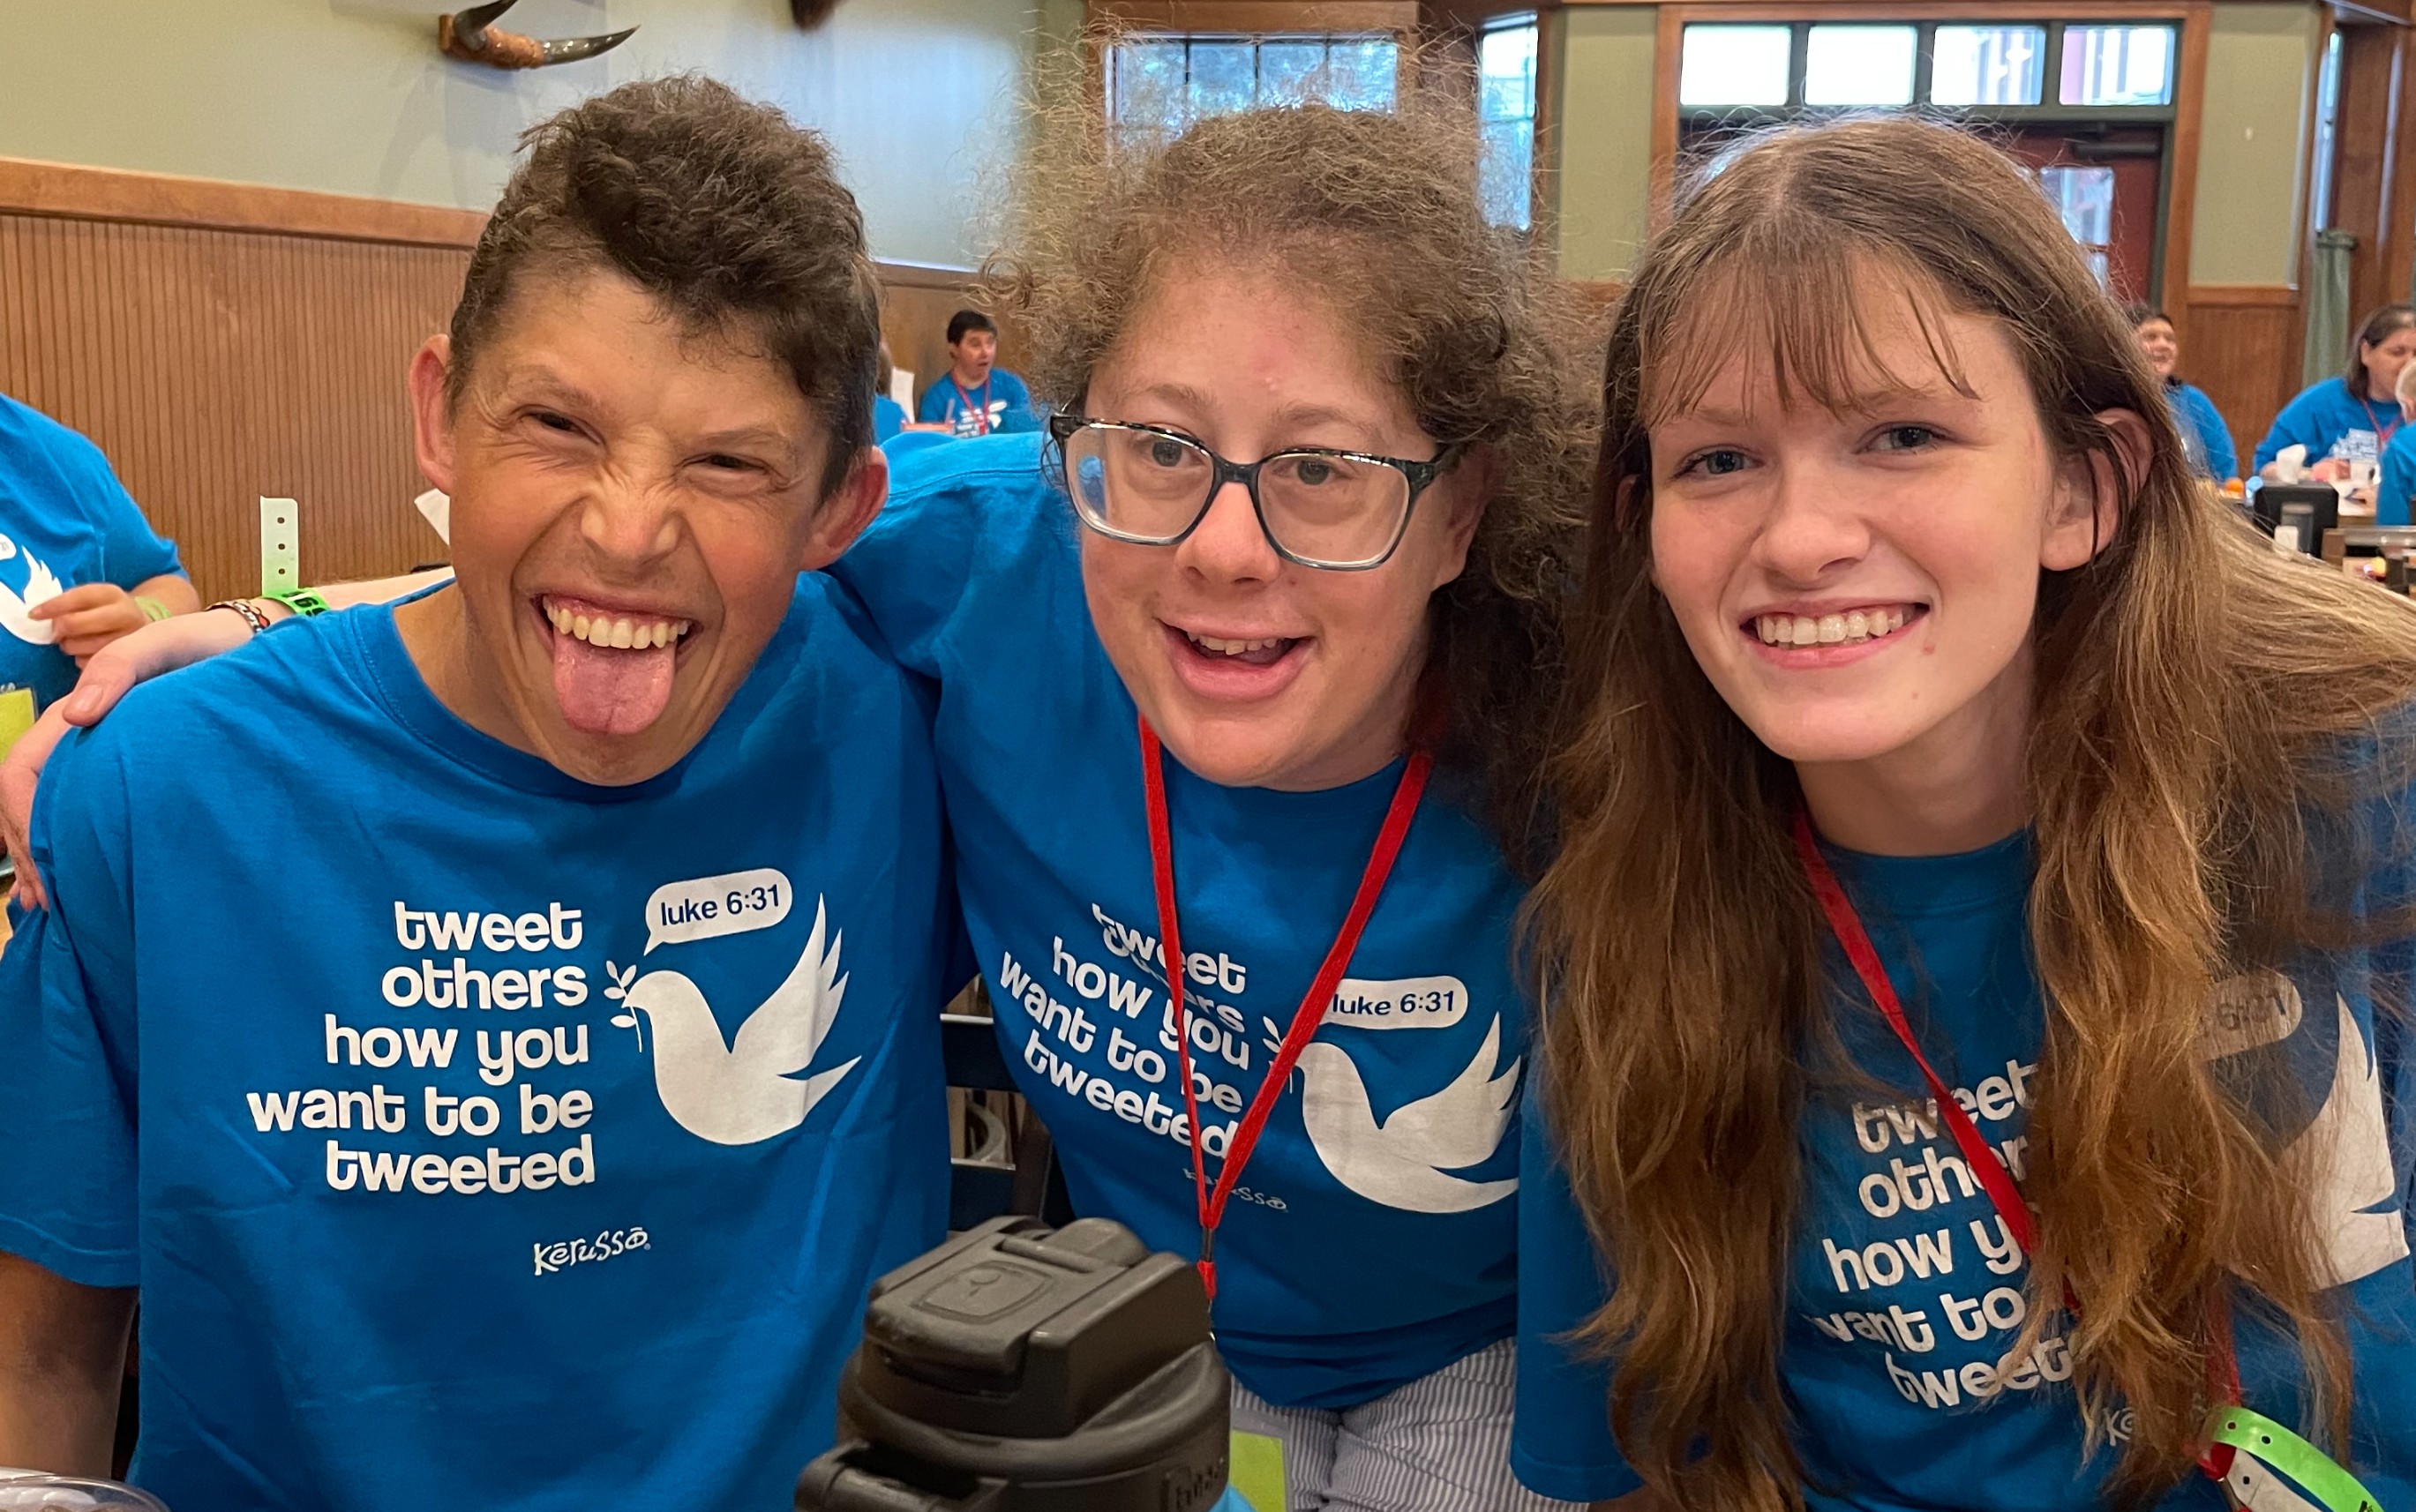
[1020, 1369]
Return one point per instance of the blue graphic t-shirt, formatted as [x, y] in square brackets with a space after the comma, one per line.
[64, 521]
[1908, 1289]
[1370, 1238]
[1001, 406]
[479, 1138]
[2331, 422]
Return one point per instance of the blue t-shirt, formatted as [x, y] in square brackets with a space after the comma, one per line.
[1000, 406]
[2331, 422]
[2203, 432]
[480, 1138]
[1906, 1289]
[64, 521]
[1371, 1240]
[2397, 481]
[888, 417]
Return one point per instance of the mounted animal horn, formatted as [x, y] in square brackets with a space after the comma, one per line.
[472, 35]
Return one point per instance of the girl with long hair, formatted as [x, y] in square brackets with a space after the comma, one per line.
[1977, 950]
[1234, 668]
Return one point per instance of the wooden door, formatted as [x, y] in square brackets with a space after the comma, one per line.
[2105, 181]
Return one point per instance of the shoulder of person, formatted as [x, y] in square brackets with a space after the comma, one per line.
[37, 439]
[994, 471]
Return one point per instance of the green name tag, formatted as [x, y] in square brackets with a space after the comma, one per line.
[1258, 1472]
[16, 715]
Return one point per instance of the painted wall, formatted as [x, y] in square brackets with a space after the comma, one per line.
[2259, 72]
[1604, 186]
[352, 96]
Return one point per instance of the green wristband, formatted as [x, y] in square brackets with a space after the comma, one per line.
[304, 602]
[2279, 1449]
[151, 608]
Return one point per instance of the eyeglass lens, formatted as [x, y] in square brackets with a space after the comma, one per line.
[1142, 485]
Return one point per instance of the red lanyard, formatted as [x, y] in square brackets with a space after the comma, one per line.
[965, 402]
[2223, 1369]
[2383, 431]
[1304, 1020]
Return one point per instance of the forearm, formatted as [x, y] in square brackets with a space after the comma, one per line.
[172, 591]
[62, 1358]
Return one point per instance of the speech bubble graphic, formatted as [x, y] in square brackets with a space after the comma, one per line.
[1402, 1003]
[702, 907]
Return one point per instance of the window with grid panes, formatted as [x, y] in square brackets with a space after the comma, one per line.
[1159, 83]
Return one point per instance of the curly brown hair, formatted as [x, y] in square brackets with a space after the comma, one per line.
[1378, 215]
[722, 209]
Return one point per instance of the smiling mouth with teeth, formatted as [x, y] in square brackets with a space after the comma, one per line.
[1260, 651]
[616, 634]
[1851, 628]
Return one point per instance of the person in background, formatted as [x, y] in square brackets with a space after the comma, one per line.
[888, 416]
[975, 397]
[2204, 436]
[79, 565]
[373, 1029]
[2397, 480]
[2350, 418]
[1977, 955]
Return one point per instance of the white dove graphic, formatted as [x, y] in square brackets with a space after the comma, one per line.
[1401, 1161]
[745, 1092]
[2347, 1154]
[40, 584]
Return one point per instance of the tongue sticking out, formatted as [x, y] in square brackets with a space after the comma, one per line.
[604, 691]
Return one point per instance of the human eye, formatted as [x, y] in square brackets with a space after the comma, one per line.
[1166, 452]
[1906, 437]
[1713, 462]
[555, 421]
[730, 463]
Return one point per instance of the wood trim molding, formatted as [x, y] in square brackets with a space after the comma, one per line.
[77, 192]
[2189, 107]
[1256, 15]
[924, 275]
[2242, 295]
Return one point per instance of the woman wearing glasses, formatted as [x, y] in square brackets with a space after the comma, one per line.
[1225, 731]
[1223, 726]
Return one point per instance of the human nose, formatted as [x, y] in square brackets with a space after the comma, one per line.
[1815, 526]
[1228, 544]
[631, 516]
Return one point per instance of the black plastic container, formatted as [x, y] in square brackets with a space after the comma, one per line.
[1017, 1369]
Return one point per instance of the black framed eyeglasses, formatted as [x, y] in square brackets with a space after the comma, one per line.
[1318, 506]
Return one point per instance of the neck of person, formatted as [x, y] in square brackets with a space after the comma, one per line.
[1367, 748]
[461, 674]
[971, 380]
[2381, 392]
[1958, 786]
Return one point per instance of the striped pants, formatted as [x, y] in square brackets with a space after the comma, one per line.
[1437, 1444]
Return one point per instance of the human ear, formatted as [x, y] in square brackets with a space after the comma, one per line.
[1464, 492]
[2089, 488]
[851, 506]
[431, 414]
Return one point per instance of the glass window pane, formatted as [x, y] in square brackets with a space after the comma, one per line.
[2117, 66]
[1224, 77]
[2085, 197]
[1987, 65]
[1362, 73]
[1292, 71]
[1859, 65]
[1505, 176]
[1148, 86]
[1734, 65]
[1505, 71]
[2100, 268]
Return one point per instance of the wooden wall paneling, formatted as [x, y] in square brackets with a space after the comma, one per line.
[915, 302]
[2243, 349]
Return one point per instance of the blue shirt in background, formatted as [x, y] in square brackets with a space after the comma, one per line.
[477, 1137]
[2397, 481]
[64, 521]
[2203, 432]
[1371, 1239]
[888, 417]
[2331, 422]
[1907, 1288]
[1000, 406]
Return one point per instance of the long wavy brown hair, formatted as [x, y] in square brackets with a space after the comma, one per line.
[1376, 213]
[2195, 698]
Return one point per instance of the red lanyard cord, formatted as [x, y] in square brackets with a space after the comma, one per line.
[2223, 1368]
[1304, 1020]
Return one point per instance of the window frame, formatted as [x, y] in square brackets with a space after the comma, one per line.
[1532, 19]
[1257, 40]
[2181, 119]
[2048, 110]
